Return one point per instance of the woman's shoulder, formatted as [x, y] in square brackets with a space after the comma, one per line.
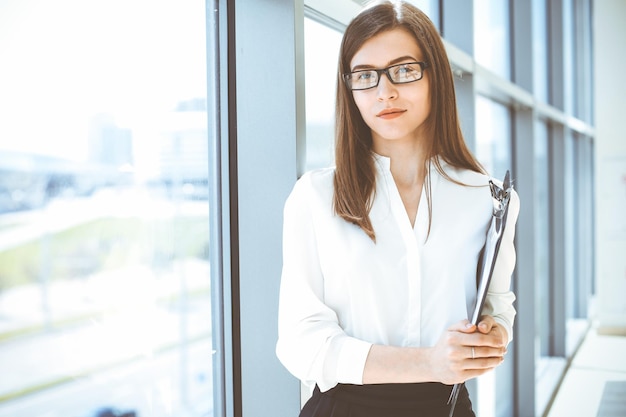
[319, 176]
[478, 182]
[318, 180]
[464, 176]
[315, 184]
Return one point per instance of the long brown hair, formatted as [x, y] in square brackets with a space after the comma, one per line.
[355, 174]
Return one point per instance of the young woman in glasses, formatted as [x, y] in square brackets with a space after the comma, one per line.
[380, 251]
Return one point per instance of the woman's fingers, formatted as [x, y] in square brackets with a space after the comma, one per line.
[485, 324]
[482, 352]
[462, 326]
[467, 351]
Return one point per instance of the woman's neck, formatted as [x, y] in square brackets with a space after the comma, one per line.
[408, 161]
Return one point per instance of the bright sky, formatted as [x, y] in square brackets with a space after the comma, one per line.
[67, 60]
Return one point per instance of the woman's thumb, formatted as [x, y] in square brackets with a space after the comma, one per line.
[463, 326]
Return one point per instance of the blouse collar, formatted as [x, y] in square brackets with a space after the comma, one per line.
[384, 162]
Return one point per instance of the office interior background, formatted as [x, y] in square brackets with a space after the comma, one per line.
[146, 151]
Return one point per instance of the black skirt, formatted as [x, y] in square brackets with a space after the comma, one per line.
[387, 400]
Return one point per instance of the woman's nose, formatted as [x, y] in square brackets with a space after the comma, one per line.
[386, 90]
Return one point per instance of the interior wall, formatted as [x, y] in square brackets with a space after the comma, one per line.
[610, 163]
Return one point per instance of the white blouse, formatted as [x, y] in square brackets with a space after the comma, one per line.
[341, 292]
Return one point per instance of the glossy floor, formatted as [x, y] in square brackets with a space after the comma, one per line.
[600, 359]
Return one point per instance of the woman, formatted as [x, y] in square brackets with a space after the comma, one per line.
[380, 252]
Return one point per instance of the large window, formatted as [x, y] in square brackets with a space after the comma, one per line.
[105, 299]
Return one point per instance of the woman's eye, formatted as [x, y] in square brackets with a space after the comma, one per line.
[405, 72]
[405, 69]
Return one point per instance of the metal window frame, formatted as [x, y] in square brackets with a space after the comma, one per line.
[255, 143]
[219, 239]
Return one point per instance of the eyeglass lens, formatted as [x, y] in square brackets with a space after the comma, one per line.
[397, 74]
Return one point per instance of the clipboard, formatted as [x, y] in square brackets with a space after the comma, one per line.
[487, 261]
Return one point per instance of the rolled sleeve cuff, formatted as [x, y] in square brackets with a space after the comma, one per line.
[349, 363]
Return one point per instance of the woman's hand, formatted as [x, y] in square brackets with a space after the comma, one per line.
[466, 351]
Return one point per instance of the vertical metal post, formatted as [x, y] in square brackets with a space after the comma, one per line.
[265, 116]
[524, 280]
[219, 206]
[558, 240]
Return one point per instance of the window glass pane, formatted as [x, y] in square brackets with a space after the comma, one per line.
[321, 55]
[540, 49]
[431, 8]
[493, 137]
[104, 277]
[492, 36]
[542, 239]
[569, 62]
[493, 150]
[583, 99]
[572, 228]
[579, 277]
[584, 220]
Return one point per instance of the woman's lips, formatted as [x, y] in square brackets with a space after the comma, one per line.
[390, 113]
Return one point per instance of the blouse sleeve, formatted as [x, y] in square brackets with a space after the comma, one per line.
[500, 298]
[311, 344]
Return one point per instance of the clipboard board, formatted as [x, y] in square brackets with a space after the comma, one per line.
[487, 261]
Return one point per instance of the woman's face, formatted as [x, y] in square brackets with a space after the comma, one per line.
[394, 112]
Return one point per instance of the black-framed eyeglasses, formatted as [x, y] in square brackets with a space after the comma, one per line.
[407, 72]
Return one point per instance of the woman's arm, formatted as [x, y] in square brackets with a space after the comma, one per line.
[450, 361]
[311, 343]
